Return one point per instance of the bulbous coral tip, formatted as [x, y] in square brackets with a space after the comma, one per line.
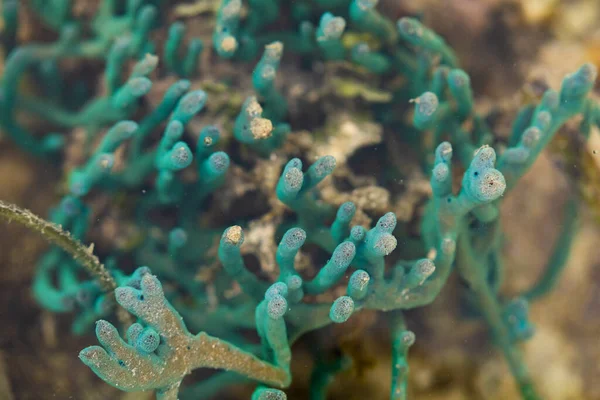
[234, 235]
[294, 178]
[253, 107]
[209, 135]
[276, 289]
[588, 71]
[178, 237]
[141, 272]
[332, 27]
[274, 50]
[125, 128]
[410, 27]
[139, 86]
[342, 309]
[294, 163]
[261, 128]
[459, 78]
[491, 186]
[228, 44]
[277, 306]
[133, 332]
[126, 296]
[346, 211]
[294, 238]
[576, 85]
[219, 161]
[85, 355]
[103, 328]
[107, 334]
[177, 28]
[193, 102]
[441, 172]
[425, 267]
[359, 279]
[484, 157]
[268, 394]
[181, 156]
[324, 166]
[444, 152]
[357, 233]
[174, 130]
[427, 104]
[147, 65]
[294, 282]
[152, 287]
[181, 86]
[385, 245]
[147, 341]
[387, 223]
[92, 356]
[121, 293]
[344, 254]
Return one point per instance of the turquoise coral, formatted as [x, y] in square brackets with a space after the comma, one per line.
[129, 149]
[162, 366]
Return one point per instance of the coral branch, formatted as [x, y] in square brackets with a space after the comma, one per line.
[55, 235]
[136, 366]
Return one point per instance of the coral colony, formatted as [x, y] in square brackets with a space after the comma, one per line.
[155, 157]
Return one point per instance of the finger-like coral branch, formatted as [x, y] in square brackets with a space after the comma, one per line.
[138, 366]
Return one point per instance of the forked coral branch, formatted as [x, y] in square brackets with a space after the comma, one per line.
[161, 351]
